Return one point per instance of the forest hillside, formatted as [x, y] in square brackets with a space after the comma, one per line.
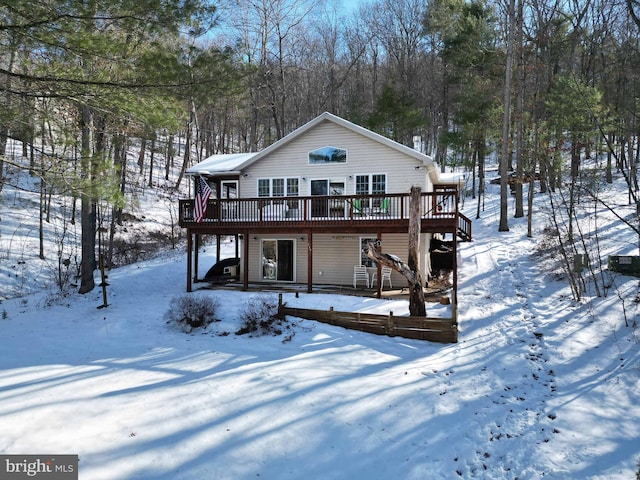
[543, 383]
[105, 104]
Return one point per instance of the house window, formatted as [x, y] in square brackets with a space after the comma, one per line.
[375, 184]
[293, 189]
[371, 184]
[364, 259]
[378, 184]
[362, 184]
[229, 189]
[264, 187]
[278, 187]
[327, 155]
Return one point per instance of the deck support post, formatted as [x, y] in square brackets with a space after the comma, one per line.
[189, 258]
[196, 248]
[245, 266]
[309, 261]
[379, 266]
[454, 290]
[218, 236]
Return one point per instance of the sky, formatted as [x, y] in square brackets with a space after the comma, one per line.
[350, 5]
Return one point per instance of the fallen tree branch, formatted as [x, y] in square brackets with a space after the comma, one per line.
[414, 278]
[393, 262]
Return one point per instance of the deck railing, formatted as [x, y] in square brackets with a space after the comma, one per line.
[441, 204]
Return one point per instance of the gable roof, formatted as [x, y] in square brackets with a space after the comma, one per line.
[234, 163]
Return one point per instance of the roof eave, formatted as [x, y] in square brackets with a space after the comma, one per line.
[214, 174]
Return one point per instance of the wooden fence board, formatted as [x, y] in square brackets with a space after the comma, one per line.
[441, 330]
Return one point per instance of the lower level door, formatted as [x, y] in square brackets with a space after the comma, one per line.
[278, 260]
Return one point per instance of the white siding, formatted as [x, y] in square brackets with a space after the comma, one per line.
[364, 156]
[334, 257]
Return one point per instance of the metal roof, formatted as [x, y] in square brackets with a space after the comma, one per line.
[220, 164]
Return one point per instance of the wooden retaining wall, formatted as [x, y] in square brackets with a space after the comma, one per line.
[442, 330]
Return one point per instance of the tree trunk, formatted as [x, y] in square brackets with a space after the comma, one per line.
[141, 154]
[186, 162]
[151, 159]
[480, 151]
[443, 128]
[519, 153]
[609, 174]
[87, 208]
[573, 185]
[416, 295]
[504, 157]
[410, 270]
[169, 159]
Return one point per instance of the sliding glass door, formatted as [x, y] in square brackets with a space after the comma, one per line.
[278, 260]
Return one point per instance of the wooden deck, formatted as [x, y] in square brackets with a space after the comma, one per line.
[328, 214]
[344, 214]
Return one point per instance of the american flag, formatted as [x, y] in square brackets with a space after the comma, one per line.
[203, 192]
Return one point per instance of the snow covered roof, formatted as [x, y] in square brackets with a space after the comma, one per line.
[223, 163]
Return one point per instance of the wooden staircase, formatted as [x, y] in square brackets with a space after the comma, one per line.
[464, 228]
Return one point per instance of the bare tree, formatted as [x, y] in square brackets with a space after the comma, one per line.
[268, 32]
[506, 151]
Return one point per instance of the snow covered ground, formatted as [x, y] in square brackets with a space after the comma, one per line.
[538, 386]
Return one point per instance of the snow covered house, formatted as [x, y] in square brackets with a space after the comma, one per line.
[302, 209]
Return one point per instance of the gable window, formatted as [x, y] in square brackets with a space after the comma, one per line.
[327, 155]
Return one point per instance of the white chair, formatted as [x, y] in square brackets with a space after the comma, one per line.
[385, 274]
[360, 273]
[275, 211]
